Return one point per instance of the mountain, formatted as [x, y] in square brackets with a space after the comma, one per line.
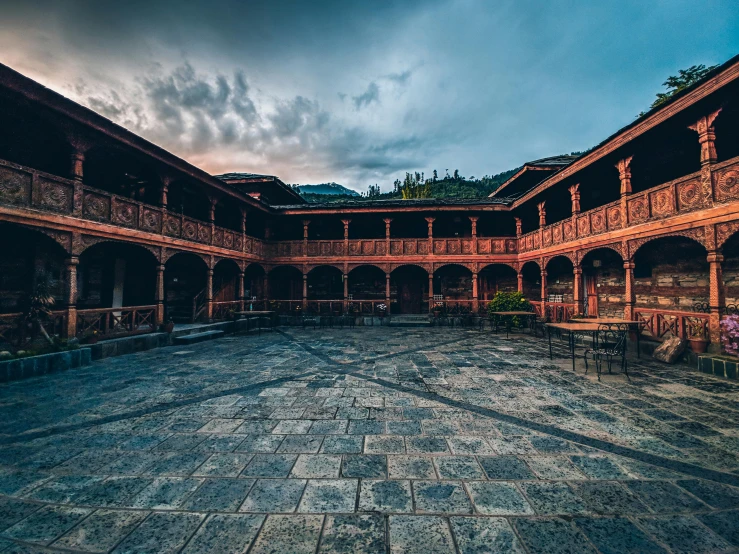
[333, 189]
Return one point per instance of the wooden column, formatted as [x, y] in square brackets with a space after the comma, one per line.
[346, 292]
[716, 300]
[624, 176]
[707, 140]
[305, 292]
[305, 236]
[431, 291]
[164, 192]
[519, 226]
[159, 294]
[78, 163]
[542, 222]
[209, 296]
[474, 293]
[346, 223]
[474, 219]
[243, 228]
[519, 278]
[387, 292]
[430, 223]
[70, 267]
[575, 198]
[212, 219]
[543, 292]
[629, 292]
[577, 293]
[241, 289]
[265, 289]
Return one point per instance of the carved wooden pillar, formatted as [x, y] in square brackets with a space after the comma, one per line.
[212, 218]
[716, 297]
[265, 288]
[577, 292]
[78, 163]
[387, 292]
[542, 222]
[474, 233]
[707, 140]
[159, 295]
[474, 293]
[624, 176]
[305, 236]
[346, 292]
[346, 239]
[243, 228]
[430, 222]
[519, 279]
[209, 296]
[164, 192]
[70, 266]
[431, 290]
[543, 291]
[629, 292]
[519, 226]
[387, 242]
[305, 291]
[575, 198]
[241, 289]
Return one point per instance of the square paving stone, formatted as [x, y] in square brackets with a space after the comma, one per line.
[270, 465]
[385, 496]
[549, 467]
[165, 493]
[257, 427]
[683, 534]
[723, 524]
[426, 445]
[498, 499]
[353, 533]
[221, 426]
[12, 511]
[458, 467]
[101, 531]
[713, 494]
[329, 427]
[177, 463]
[365, 466]
[223, 465]
[443, 497]
[181, 442]
[161, 533]
[114, 491]
[296, 534]
[617, 536]
[420, 535]
[597, 467]
[481, 535]
[363, 427]
[404, 427]
[299, 444]
[384, 444]
[664, 497]
[553, 498]
[343, 444]
[506, 468]
[62, 490]
[470, 445]
[274, 495]
[225, 534]
[552, 445]
[260, 444]
[46, 524]
[552, 536]
[316, 466]
[143, 442]
[292, 427]
[512, 445]
[329, 495]
[410, 467]
[219, 495]
[219, 443]
[609, 497]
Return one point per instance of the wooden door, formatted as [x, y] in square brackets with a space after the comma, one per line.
[410, 298]
[591, 295]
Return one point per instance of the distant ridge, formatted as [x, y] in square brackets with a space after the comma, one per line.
[327, 188]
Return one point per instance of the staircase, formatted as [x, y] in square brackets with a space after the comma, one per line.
[410, 320]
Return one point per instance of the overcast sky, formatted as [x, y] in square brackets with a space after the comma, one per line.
[358, 92]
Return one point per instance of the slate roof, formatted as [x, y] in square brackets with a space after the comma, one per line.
[395, 202]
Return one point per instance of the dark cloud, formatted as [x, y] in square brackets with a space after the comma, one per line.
[372, 94]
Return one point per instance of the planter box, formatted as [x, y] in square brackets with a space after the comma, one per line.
[22, 368]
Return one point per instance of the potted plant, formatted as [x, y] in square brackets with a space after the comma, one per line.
[168, 327]
[697, 337]
[438, 309]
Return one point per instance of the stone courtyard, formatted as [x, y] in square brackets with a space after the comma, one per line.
[368, 440]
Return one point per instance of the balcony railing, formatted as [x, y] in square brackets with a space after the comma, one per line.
[686, 325]
[679, 196]
[108, 322]
[22, 186]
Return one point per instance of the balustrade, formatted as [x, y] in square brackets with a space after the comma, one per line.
[686, 325]
[108, 322]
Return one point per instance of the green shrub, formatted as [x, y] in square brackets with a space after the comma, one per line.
[509, 302]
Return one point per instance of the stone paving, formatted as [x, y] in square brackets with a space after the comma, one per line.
[368, 440]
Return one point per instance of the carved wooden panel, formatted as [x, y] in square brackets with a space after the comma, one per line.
[638, 209]
[249, 245]
[724, 231]
[453, 247]
[468, 247]
[217, 237]
[96, 206]
[151, 220]
[727, 184]
[171, 226]
[325, 248]
[583, 225]
[615, 217]
[204, 232]
[546, 236]
[396, 248]
[511, 246]
[423, 247]
[569, 230]
[15, 186]
[55, 196]
[536, 241]
[124, 213]
[557, 234]
[440, 247]
[380, 249]
[662, 202]
[598, 221]
[313, 249]
[189, 229]
[483, 246]
[689, 195]
[228, 239]
[368, 247]
[529, 241]
[338, 249]
[498, 247]
[409, 247]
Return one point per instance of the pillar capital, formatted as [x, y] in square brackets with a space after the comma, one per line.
[629, 264]
[715, 256]
[430, 220]
[706, 136]
[519, 226]
[624, 174]
[575, 198]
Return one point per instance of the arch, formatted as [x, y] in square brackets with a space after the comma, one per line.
[367, 282]
[603, 282]
[471, 267]
[616, 248]
[453, 282]
[559, 259]
[338, 267]
[395, 267]
[116, 274]
[531, 280]
[694, 235]
[560, 279]
[185, 279]
[511, 265]
[325, 282]
[353, 267]
[255, 281]
[409, 288]
[26, 255]
[285, 283]
[89, 242]
[671, 273]
[494, 278]
[226, 280]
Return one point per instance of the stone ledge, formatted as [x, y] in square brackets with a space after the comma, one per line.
[719, 366]
[32, 366]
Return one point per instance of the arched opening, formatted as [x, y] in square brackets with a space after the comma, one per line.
[285, 283]
[367, 282]
[225, 281]
[560, 280]
[603, 283]
[531, 277]
[25, 257]
[254, 282]
[116, 171]
[453, 282]
[409, 290]
[730, 273]
[116, 275]
[185, 278]
[189, 200]
[325, 282]
[671, 273]
[228, 214]
[494, 278]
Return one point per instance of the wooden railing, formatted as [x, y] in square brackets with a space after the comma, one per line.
[15, 331]
[325, 307]
[109, 322]
[453, 306]
[23, 186]
[686, 325]
[286, 307]
[555, 311]
[225, 310]
[366, 307]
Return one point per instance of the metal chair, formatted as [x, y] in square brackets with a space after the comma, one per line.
[609, 344]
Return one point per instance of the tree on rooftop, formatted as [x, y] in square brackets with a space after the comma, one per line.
[681, 81]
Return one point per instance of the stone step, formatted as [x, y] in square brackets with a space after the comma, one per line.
[197, 337]
[410, 320]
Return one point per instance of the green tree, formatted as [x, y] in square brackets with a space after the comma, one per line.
[681, 81]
